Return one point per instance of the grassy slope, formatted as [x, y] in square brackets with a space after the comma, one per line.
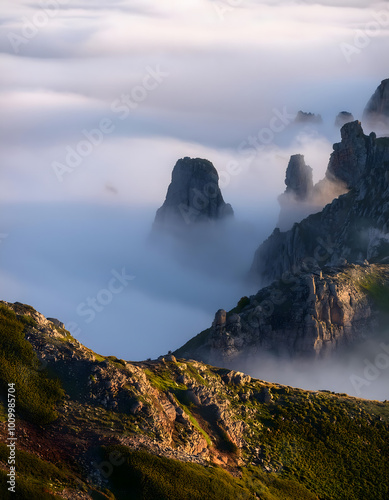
[36, 392]
[311, 445]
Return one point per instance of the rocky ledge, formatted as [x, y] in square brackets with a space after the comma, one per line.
[307, 315]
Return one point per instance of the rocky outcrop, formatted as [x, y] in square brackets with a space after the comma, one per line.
[296, 201]
[376, 113]
[348, 160]
[308, 315]
[193, 196]
[343, 117]
[352, 228]
[134, 390]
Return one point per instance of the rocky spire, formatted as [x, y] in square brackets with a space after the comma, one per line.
[377, 109]
[193, 196]
[299, 186]
[298, 178]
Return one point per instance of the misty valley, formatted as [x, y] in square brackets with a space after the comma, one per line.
[194, 240]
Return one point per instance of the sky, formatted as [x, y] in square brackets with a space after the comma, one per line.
[98, 101]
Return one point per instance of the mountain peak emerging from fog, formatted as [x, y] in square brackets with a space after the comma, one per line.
[193, 196]
[298, 177]
[376, 112]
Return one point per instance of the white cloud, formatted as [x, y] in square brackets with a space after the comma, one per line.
[228, 71]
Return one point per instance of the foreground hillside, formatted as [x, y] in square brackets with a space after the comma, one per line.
[99, 427]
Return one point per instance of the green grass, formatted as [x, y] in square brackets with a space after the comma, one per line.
[163, 381]
[378, 291]
[143, 476]
[196, 425]
[24, 490]
[36, 393]
[271, 486]
[336, 447]
[36, 478]
[116, 361]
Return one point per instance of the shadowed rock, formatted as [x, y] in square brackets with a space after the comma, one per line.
[306, 118]
[343, 117]
[348, 160]
[343, 230]
[193, 196]
[298, 178]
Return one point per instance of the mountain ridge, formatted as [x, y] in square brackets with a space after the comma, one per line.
[169, 427]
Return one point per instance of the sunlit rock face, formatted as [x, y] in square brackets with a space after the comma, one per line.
[193, 196]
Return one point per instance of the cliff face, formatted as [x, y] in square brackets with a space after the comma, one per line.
[301, 316]
[352, 228]
[193, 196]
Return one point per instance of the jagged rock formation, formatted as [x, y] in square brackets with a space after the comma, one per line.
[306, 315]
[376, 113]
[343, 117]
[354, 227]
[298, 179]
[303, 117]
[296, 201]
[193, 196]
[348, 160]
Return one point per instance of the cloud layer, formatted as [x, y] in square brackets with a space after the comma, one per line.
[99, 99]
